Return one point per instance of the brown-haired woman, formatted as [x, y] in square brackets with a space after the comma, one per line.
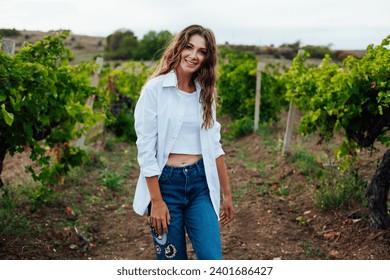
[179, 151]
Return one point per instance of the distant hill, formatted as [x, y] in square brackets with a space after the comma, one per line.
[83, 47]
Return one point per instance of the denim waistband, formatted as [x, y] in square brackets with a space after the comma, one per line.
[199, 165]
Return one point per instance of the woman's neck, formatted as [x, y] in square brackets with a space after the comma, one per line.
[184, 81]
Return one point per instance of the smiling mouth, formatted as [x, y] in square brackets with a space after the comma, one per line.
[191, 63]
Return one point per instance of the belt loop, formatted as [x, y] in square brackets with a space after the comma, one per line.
[198, 165]
[171, 168]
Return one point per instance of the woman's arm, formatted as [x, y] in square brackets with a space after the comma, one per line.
[227, 214]
[145, 116]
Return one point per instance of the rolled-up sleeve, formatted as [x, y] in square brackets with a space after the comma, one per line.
[218, 151]
[145, 123]
[216, 129]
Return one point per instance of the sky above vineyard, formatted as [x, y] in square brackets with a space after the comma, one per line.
[342, 24]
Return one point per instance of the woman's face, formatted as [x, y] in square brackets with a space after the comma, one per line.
[193, 55]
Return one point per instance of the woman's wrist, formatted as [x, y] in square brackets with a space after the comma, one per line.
[154, 189]
[156, 199]
[226, 190]
[226, 194]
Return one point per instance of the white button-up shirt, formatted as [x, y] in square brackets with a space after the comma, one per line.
[158, 118]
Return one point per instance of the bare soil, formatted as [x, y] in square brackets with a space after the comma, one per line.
[268, 224]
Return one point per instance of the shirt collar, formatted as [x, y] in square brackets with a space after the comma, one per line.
[170, 80]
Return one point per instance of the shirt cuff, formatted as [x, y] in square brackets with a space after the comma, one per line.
[219, 153]
[151, 170]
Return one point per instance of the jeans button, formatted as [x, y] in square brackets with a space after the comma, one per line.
[185, 170]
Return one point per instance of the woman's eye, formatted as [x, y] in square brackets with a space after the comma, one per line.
[188, 47]
[203, 52]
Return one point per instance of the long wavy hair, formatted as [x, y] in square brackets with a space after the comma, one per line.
[206, 75]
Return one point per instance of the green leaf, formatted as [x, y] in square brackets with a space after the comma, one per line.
[8, 117]
[315, 115]
[380, 108]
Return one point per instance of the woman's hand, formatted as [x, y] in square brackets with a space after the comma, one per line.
[227, 215]
[159, 214]
[159, 217]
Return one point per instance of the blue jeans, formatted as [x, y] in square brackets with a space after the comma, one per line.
[185, 191]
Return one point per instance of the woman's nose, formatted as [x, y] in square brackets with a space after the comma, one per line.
[193, 53]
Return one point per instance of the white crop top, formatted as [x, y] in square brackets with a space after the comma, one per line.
[188, 140]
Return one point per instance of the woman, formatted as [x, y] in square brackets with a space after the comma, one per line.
[179, 150]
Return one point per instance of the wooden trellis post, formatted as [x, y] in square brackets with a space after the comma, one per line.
[290, 122]
[95, 80]
[260, 67]
[289, 129]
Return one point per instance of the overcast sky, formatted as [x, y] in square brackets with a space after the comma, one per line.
[343, 24]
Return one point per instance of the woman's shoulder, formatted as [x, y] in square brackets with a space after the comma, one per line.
[155, 82]
[159, 84]
[164, 80]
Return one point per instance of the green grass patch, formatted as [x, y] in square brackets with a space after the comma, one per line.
[312, 251]
[335, 189]
[240, 193]
[16, 230]
[262, 190]
[306, 163]
[340, 190]
[111, 180]
[12, 221]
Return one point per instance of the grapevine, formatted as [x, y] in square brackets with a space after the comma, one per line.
[352, 99]
[42, 101]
